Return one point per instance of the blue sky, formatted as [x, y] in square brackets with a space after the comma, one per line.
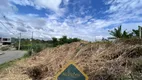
[85, 19]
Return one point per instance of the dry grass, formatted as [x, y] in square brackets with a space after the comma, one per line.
[100, 61]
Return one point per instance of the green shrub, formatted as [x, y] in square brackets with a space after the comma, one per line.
[37, 48]
[28, 54]
[75, 40]
[5, 48]
[55, 41]
[63, 40]
[7, 64]
[25, 47]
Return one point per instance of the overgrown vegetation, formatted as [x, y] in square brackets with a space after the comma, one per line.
[28, 54]
[38, 45]
[118, 33]
[7, 64]
[35, 44]
[63, 40]
[4, 48]
[99, 60]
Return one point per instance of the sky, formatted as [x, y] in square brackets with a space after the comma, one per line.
[85, 19]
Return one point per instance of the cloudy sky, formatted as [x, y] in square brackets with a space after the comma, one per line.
[85, 19]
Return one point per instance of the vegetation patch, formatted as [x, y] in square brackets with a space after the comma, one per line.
[63, 40]
[133, 52]
[4, 48]
[35, 73]
[118, 33]
[7, 64]
[12, 63]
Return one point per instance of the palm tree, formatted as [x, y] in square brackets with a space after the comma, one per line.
[126, 34]
[117, 33]
[135, 32]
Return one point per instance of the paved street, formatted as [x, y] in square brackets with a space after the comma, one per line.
[10, 55]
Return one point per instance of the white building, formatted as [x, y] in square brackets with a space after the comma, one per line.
[5, 40]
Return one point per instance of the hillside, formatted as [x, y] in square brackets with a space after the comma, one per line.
[100, 61]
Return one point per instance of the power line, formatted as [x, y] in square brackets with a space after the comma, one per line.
[7, 28]
[6, 19]
[8, 22]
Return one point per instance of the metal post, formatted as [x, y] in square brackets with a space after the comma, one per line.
[140, 32]
[19, 42]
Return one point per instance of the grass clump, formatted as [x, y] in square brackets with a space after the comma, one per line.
[5, 48]
[27, 55]
[7, 64]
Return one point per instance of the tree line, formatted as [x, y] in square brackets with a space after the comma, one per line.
[38, 45]
[118, 33]
[63, 40]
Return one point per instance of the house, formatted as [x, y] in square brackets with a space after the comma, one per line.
[5, 41]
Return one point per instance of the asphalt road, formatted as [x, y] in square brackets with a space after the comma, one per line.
[10, 55]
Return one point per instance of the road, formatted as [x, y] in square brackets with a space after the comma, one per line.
[10, 55]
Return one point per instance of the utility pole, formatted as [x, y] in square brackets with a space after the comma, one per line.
[19, 42]
[32, 43]
[140, 32]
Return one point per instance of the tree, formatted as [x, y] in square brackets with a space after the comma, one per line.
[75, 39]
[135, 33]
[125, 34]
[116, 33]
[63, 40]
[55, 41]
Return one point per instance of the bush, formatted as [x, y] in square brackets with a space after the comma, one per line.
[28, 54]
[75, 40]
[63, 40]
[25, 47]
[55, 41]
[5, 48]
[35, 72]
[37, 48]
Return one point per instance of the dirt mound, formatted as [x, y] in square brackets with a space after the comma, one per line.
[100, 61]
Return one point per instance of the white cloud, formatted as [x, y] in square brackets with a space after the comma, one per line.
[66, 2]
[124, 10]
[23, 2]
[51, 4]
[87, 28]
[6, 7]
